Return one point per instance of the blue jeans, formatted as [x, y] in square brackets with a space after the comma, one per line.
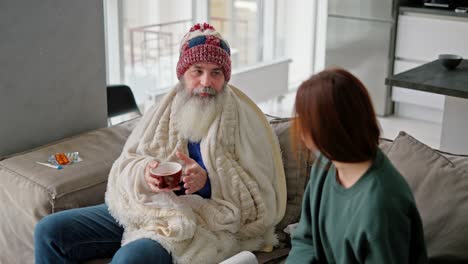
[82, 234]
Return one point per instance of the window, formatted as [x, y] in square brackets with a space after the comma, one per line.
[143, 37]
[238, 23]
[151, 33]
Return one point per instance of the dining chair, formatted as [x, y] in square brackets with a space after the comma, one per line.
[121, 103]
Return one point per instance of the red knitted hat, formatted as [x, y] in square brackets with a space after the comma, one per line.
[204, 44]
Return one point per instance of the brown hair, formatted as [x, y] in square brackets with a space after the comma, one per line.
[334, 110]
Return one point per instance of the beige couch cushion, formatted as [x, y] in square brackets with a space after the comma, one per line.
[297, 163]
[385, 144]
[30, 191]
[440, 186]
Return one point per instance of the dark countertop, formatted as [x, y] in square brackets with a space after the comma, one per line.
[433, 77]
[432, 11]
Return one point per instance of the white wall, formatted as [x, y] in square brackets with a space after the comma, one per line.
[263, 81]
[299, 38]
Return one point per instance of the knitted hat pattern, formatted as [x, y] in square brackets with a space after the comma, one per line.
[204, 44]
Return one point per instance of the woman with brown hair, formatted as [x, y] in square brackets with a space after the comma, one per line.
[357, 208]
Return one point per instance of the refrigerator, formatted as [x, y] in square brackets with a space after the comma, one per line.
[360, 38]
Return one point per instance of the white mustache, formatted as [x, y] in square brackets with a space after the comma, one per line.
[207, 90]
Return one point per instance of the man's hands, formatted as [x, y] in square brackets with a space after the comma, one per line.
[195, 176]
[154, 183]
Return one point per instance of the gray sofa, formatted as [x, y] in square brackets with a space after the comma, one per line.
[29, 191]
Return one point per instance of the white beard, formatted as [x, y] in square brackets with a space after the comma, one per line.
[194, 115]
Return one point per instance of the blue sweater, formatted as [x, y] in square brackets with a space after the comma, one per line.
[195, 154]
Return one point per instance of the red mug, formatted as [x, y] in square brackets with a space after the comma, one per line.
[168, 174]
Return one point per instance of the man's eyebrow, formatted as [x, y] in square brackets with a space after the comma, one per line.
[198, 67]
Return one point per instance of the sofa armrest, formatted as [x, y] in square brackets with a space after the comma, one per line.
[30, 191]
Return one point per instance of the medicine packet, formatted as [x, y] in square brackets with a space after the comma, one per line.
[66, 158]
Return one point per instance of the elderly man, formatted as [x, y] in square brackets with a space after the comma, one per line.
[231, 196]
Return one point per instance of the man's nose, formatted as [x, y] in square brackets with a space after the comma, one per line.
[206, 80]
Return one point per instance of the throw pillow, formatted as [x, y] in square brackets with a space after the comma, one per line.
[297, 163]
[385, 144]
[440, 187]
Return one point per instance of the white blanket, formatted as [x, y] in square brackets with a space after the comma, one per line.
[243, 161]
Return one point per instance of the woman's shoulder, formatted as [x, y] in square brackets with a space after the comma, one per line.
[321, 164]
[321, 168]
[391, 192]
[388, 176]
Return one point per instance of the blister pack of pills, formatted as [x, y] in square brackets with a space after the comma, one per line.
[64, 158]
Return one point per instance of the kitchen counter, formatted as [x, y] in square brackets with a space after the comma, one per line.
[433, 77]
[432, 11]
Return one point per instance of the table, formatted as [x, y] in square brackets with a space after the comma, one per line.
[433, 77]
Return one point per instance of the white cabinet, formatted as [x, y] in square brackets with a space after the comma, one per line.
[420, 39]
